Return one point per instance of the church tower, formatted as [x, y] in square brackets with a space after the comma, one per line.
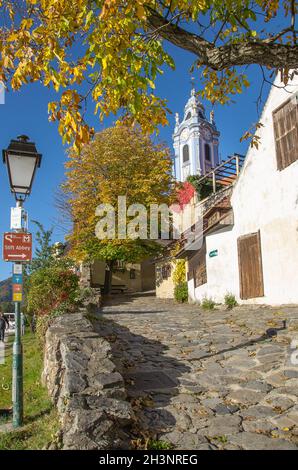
[196, 141]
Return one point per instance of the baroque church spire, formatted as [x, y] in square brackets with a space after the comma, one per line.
[195, 140]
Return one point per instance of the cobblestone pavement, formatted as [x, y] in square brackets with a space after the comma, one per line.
[207, 380]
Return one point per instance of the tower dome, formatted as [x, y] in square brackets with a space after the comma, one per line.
[194, 107]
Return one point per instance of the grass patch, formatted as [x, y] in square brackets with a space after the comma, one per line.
[230, 301]
[207, 304]
[181, 292]
[154, 444]
[40, 418]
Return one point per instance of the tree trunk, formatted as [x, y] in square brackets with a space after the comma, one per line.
[108, 277]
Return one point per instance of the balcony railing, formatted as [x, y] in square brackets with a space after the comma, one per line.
[224, 174]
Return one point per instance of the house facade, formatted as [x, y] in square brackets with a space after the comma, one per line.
[255, 255]
[127, 277]
[196, 144]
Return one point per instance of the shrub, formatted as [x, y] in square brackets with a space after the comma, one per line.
[203, 188]
[208, 304]
[230, 301]
[42, 324]
[52, 289]
[179, 274]
[181, 292]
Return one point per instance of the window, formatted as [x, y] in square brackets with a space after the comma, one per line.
[132, 274]
[188, 116]
[185, 153]
[285, 124]
[166, 271]
[119, 265]
[207, 152]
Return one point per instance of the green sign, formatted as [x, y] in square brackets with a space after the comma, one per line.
[213, 253]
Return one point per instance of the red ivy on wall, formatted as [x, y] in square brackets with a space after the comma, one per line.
[184, 195]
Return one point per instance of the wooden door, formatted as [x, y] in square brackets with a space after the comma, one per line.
[250, 266]
[197, 268]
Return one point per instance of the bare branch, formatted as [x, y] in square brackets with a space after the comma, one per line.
[277, 36]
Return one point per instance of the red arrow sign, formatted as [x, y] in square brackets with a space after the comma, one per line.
[17, 246]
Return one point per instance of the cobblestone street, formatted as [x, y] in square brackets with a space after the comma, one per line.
[206, 379]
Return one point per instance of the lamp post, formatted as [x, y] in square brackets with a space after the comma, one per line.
[22, 160]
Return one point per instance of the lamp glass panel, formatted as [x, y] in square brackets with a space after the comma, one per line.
[21, 172]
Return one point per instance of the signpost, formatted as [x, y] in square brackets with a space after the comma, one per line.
[18, 218]
[17, 247]
[17, 297]
[17, 268]
[17, 278]
[213, 253]
[22, 160]
[17, 288]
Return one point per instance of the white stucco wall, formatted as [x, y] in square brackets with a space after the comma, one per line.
[263, 199]
[222, 270]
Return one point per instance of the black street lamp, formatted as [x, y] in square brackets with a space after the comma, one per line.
[22, 159]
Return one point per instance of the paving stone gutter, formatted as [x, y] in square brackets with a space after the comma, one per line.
[84, 385]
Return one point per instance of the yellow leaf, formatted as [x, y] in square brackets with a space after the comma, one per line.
[140, 11]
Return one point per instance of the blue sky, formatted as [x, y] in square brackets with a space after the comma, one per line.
[25, 112]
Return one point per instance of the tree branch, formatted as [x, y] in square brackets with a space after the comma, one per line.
[293, 17]
[272, 39]
[247, 52]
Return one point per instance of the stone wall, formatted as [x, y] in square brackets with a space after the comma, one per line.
[85, 386]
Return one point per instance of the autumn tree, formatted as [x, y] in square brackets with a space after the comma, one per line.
[43, 255]
[120, 161]
[110, 51]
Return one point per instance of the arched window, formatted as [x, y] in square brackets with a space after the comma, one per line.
[188, 116]
[185, 153]
[207, 153]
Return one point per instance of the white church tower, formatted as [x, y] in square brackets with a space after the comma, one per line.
[196, 141]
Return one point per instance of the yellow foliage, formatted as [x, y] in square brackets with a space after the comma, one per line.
[120, 161]
[179, 275]
[119, 54]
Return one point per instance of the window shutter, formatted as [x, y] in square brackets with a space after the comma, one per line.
[285, 124]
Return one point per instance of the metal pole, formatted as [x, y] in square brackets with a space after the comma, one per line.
[17, 371]
[214, 182]
[17, 365]
[237, 166]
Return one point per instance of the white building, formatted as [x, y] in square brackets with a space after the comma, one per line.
[196, 141]
[255, 256]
